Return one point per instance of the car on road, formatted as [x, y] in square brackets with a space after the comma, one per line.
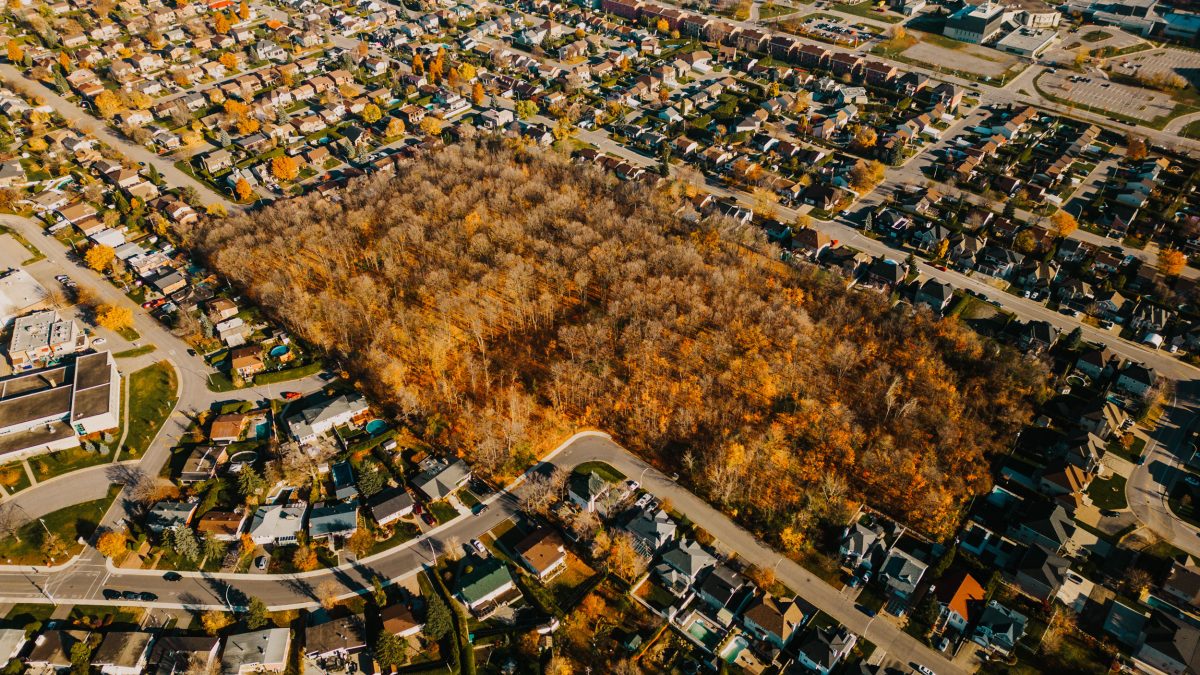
[131, 595]
[1192, 480]
[923, 669]
[110, 594]
[147, 596]
[643, 501]
[260, 562]
[97, 342]
[291, 395]
[632, 485]
[478, 545]
[172, 576]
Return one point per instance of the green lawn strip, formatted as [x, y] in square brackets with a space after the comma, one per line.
[1133, 454]
[14, 477]
[136, 351]
[602, 469]
[28, 615]
[402, 531]
[289, 374]
[152, 398]
[1108, 493]
[69, 524]
[56, 463]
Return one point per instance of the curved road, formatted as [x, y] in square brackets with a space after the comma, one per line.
[1150, 484]
[84, 579]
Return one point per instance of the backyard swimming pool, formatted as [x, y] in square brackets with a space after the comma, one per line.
[704, 632]
[376, 427]
[734, 648]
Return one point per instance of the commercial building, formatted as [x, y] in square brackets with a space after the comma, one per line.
[1028, 42]
[975, 24]
[48, 409]
[20, 294]
[42, 337]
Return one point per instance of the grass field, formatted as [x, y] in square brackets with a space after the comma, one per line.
[64, 461]
[30, 545]
[602, 469]
[1108, 493]
[152, 398]
[13, 477]
[136, 351]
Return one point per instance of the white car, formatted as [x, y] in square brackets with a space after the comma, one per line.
[643, 501]
[924, 670]
[97, 342]
[479, 547]
[632, 485]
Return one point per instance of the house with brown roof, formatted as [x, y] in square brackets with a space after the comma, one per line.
[543, 552]
[775, 620]
[247, 360]
[222, 525]
[399, 620]
[227, 428]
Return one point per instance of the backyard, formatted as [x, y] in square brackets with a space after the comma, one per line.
[1108, 493]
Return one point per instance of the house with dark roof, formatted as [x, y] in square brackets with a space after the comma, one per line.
[821, 650]
[936, 295]
[337, 638]
[439, 479]
[343, 481]
[1125, 624]
[651, 531]
[682, 566]
[166, 515]
[725, 591]
[1040, 572]
[390, 505]
[901, 572]
[123, 652]
[999, 628]
[333, 520]
[1182, 587]
[1171, 646]
[1136, 379]
[1043, 522]
[174, 654]
[399, 620]
[586, 489]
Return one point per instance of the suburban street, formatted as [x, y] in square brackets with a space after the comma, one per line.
[83, 580]
[1150, 484]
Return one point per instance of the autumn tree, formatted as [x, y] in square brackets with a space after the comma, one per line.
[243, 189]
[215, 621]
[763, 577]
[361, 542]
[526, 109]
[229, 60]
[865, 137]
[395, 127]
[305, 558]
[866, 174]
[371, 113]
[327, 594]
[477, 94]
[623, 559]
[418, 64]
[432, 126]
[1172, 261]
[1063, 223]
[221, 23]
[107, 103]
[112, 543]
[284, 168]
[244, 11]
[114, 318]
[99, 257]
[1135, 148]
[16, 54]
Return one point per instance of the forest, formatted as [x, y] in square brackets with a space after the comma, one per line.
[497, 297]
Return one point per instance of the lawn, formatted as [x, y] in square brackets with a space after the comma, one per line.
[1109, 493]
[24, 614]
[602, 469]
[402, 531]
[1132, 454]
[1182, 502]
[1191, 129]
[659, 598]
[64, 461]
[1096, 36]
[152, 398]
[136, 351]
[443, 512]
[867, 9]
[35, 254]
[28, 547]
[13, 477]
[771, 10]
[289, 374]
[129, 334]
[565, 585]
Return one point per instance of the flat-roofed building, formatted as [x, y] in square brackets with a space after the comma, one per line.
[20, 294]
[975, 24]
[42, 337]
[46, 410]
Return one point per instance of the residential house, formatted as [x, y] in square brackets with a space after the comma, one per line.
[262, 651]
[168, 515]
[725, 591]
[585, 490]
[333, 521]
[683, 565]
[278, 524]
[960, 598]
[1182, 587]
[543, 553]
[319, 418]
[175, 654]
[860, 543]
[901, 571]
[202, 463]
[400, 621]
[822, 649]
[936, 295]
[1136, 379]
[335, 639]
[222, 525]
[122, 652]
[343, 481]
[999, 628]
[390, 505]
[440, 478]
[773, 619]
[485, 586]
[651, 530]
[1040, 572]
[247, 361]
[1171, 645]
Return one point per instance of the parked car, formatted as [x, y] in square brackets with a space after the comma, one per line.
[111, 594]
[1192, 480]
[260, 562]
[131, 595]
[291, 395]
[172, 576]
[147, 596]
[479, 547]
[96, 342]
[643, 501]
[429, 519]
[632, 485]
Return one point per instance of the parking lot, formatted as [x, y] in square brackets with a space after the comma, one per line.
[1161, 62]
[830, 28]
[1096, 92]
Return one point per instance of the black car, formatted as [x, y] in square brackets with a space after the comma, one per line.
[147, 596]
[172, 576]
[110, 594]
[131, 595]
